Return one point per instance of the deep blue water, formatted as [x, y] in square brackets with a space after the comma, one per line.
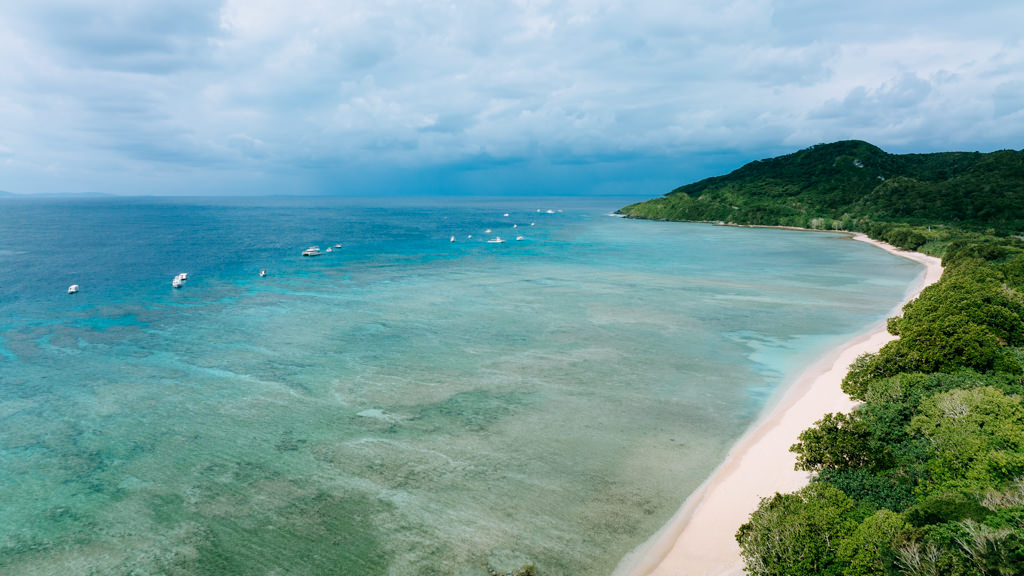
[403, 405]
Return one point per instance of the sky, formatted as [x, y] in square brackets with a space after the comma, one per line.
[521, 97]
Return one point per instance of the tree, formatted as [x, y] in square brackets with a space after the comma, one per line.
[977, 438]
[837, 442]
[950, 342]
[798, 534]
[871, 549]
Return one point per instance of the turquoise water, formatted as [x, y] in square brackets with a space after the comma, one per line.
[405, 405]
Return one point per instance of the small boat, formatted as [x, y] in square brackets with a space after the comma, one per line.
[177, 282]
[515, 225]
[337, 245]
[263, 273]
[533, 223]
[488, 231]
[73, 289]
[506, 214]
[495, 240]
[311, 251]
[550, 211]
[452, 239]
[519, 237]
[183, 275]
[329, 249]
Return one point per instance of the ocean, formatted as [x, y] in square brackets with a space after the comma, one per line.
[402, 405]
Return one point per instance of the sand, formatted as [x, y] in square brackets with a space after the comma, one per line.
[700, 538]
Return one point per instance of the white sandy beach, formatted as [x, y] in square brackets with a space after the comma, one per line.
[700, 539]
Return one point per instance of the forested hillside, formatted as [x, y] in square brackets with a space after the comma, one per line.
[926, 476]
[853, 185]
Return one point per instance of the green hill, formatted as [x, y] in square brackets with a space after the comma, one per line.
[852, 185]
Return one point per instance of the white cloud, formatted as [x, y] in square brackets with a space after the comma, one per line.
[104, 90]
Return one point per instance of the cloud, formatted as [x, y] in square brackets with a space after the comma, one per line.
[112, 90]
[1008, 99]
[148, 37]
[897, 97]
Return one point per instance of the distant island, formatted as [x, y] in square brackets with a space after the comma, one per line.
[926, 475]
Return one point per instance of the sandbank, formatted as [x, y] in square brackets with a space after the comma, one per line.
[700, 538]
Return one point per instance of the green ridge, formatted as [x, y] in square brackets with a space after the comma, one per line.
[851, 185]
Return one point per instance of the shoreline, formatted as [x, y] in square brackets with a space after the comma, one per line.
[699, 539]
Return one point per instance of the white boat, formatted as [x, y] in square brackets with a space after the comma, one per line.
[183, 275]
[311, 251]
[177, 282]
[519, 237]
[495, 240]
[329, 249]
[488, 231]
[506, 214]
[337, 245]
[452, 239]
[263, 273]
[73, 288]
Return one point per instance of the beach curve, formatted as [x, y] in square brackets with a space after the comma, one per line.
[699, 540]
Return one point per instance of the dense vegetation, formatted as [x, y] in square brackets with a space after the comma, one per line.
[926, 475]
[853, 185]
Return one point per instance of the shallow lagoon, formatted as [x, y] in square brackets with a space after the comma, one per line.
[404, 405]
